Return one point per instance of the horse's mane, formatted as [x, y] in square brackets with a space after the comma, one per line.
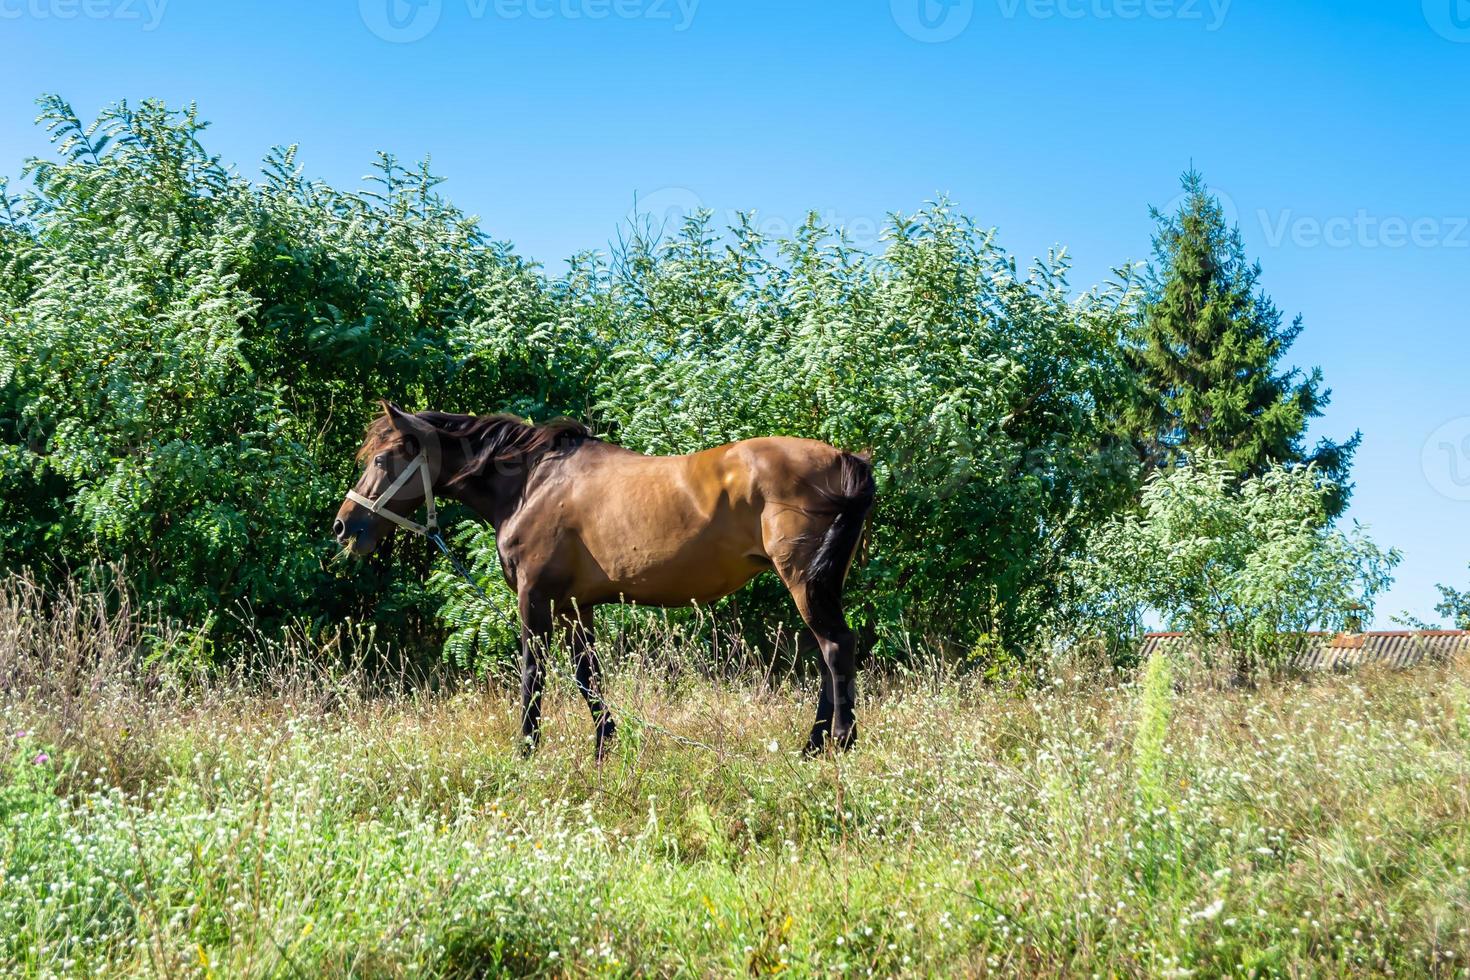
[494, 438]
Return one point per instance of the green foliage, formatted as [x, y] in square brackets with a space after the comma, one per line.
[1455, 605]
[1207, 351]
[126, 385]
[483, 636]
[188, 360]
[982, 393]
[1244, 566]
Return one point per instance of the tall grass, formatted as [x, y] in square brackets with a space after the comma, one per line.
[1155, 707]
[291, 818]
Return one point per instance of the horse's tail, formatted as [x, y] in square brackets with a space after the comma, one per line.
[852, 500]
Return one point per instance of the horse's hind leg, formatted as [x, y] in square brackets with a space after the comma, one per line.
[819, 600]
[813, 563]
[589, 674]
[820, 604]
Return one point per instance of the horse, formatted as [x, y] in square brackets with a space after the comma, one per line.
[580, 522]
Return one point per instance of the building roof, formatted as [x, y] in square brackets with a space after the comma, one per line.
[1337, 651]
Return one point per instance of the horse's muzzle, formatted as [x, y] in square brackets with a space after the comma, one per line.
[355, 536]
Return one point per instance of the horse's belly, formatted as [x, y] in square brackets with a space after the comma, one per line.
[668, 532]
[700, 574]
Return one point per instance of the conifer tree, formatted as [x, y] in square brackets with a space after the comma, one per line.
[1208, 354]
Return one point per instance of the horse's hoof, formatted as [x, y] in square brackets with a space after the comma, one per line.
[845, 740]
[528, 745]
[604, 742]
[823, 739]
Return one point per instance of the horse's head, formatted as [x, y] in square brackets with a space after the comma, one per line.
[400, 457]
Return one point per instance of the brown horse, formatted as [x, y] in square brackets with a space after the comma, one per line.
[580, 522]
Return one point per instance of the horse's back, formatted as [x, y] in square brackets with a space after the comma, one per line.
[786, 469]
[736, 475]
[668, 530]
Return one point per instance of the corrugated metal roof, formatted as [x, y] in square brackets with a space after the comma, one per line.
[1340, 651]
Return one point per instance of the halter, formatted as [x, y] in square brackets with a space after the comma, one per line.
[430, 527]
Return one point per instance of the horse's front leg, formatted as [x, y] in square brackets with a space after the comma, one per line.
[581, 643]
[535, 640]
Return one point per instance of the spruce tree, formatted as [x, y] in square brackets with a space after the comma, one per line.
[1207, 353]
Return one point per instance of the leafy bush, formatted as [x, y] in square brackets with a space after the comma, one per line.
[1455, 605]
[983, 394]
[482, 635]
[1243, 566]
[188, 360]
[188, 357]
[127, 387]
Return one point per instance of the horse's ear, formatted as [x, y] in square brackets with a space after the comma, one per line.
[397, 416]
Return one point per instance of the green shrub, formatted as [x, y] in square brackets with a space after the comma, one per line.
[1246, 567]
[983, 394]
[1455, 605]
[188, 360]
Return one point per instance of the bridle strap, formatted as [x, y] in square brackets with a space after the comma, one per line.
[378, 507]
[430, 528]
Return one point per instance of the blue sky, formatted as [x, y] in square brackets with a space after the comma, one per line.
[1338, 133]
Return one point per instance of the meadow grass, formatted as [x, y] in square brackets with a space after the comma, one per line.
[295, 820]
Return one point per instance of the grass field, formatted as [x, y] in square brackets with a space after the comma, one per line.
[300, 823]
